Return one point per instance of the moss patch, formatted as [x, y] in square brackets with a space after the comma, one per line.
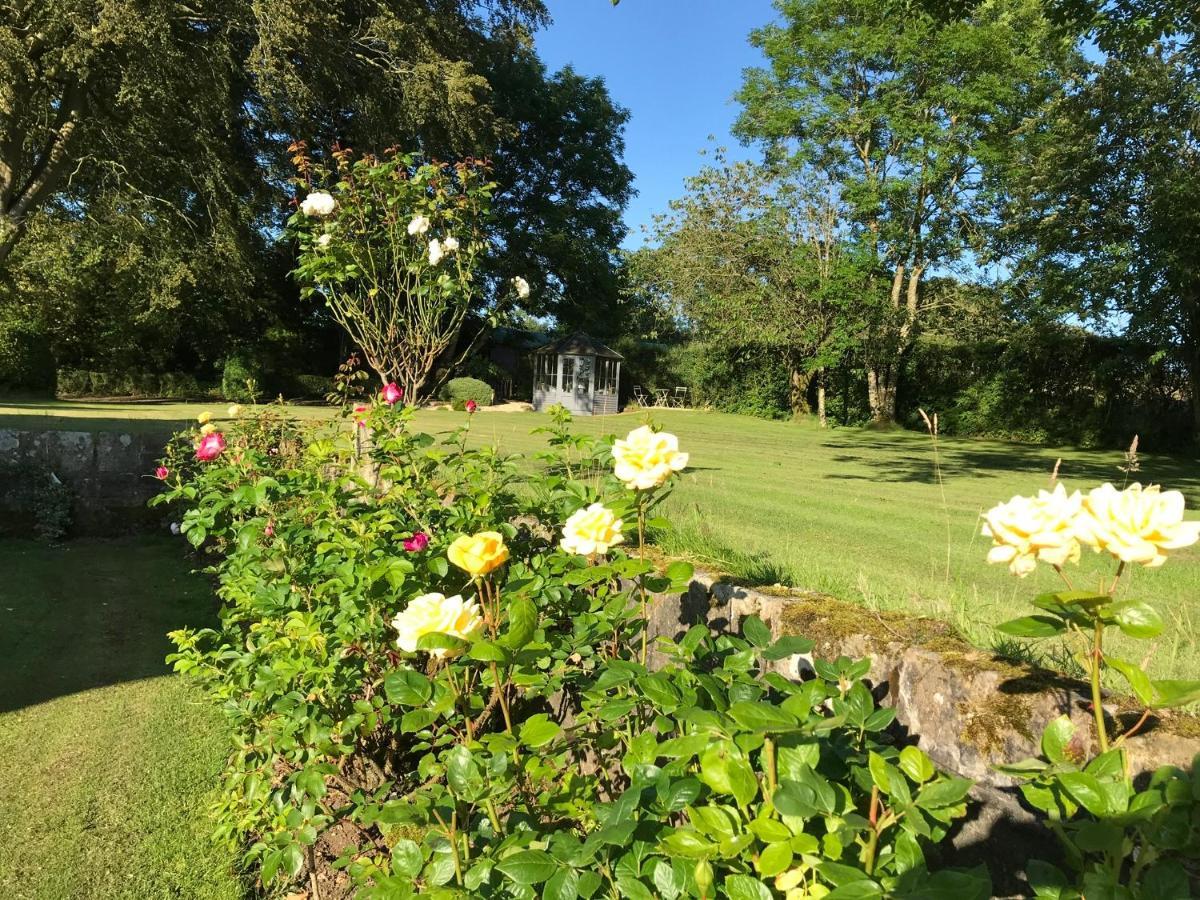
[988, 725]
[820, 617]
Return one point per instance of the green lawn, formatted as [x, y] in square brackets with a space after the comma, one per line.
[856, 513]
[109, 762]
[859, 514]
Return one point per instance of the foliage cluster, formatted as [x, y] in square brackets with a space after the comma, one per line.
[457, 391]
[533, 754]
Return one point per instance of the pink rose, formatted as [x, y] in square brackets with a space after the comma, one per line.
[161, 473]
[417, 542]
[210, 446]
[360, 416]
[269, 531]
[392, 393]
[472, 406]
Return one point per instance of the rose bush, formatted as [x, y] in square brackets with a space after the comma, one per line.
[1117, 840]
[436, 663]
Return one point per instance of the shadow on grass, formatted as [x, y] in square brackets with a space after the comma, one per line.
[917, 465]
[91, 613]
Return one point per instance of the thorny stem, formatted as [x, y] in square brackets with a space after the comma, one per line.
[873, 840]
[769, 758]
[1117, 576]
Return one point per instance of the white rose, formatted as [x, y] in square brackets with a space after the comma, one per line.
[436, 614]
[324, 240]
[418, 225]
[522, 287]
[234, 410]
[435, 252]
[319, 204]
[450, 244]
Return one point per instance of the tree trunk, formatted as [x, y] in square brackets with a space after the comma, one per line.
[1194, 379]
[881, 394]
[821, 397]
[800, 382]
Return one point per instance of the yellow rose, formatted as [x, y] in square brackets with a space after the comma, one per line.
[436, 614]
[208, 428]
[204, 418]
[1136, 525]
[479, 553]
[234, 411]
[591, 530]
[1027, 529]
[646, 458]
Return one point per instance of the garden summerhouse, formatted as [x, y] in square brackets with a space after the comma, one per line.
[578, 372]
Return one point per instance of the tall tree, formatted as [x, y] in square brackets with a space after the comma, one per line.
[1105, 203]
[755, 257]
[906, 109]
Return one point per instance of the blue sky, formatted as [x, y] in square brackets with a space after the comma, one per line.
[675, 65]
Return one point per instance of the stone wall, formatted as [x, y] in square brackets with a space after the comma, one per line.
[109, 474]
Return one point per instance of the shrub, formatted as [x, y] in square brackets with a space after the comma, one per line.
[242, 378]
[459, 390]
[26, 362]
[144, 384]
[74, 382]
[432, 732]
[307, 387]
[46, 498]
[179, 386]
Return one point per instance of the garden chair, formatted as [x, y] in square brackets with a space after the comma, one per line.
[639, 397]
[679, 401]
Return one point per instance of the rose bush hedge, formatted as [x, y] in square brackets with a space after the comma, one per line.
[442, 658]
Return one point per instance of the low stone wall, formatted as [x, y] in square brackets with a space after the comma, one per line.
[107, 472]
[964, 707]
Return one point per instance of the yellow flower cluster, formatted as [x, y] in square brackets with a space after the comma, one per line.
[647, 458]
[1135, 525]
[591, 530]
[478, 554]
[436, 614]
[1027, 529]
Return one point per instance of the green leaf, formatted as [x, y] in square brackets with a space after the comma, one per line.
[435, 640]
[1033, 627]
[1175, 693]
[438, 566]
[755, 630]
[407, 687]
[744, 887]
[762, 717]
[943, 793]
[1139, 681]
[1137, 619]
[856, 890]
[1047, 881]
[774, 859]
[879, 772]
[1085, 790]
[528, 866]
[680, 571]
[406, 858]
[687, 843]
[916, 765]
[788, 645]
[538, 730]
[522, 623]
[1055, 738]
[488, 651]
[668, 880]
[463, 775]
[564, 885]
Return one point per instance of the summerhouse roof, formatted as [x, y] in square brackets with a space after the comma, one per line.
[579, 344]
